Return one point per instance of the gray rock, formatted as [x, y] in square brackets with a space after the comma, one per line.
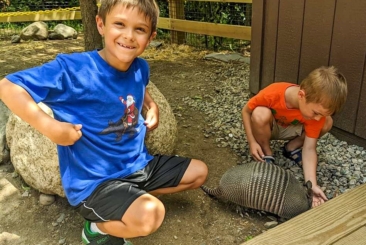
[55, 36]
[15, 39]
[155, 44]
[162, 140]
[35, 31]
[34, 156]
[4, 115]
[65, 31]
[236, 57]
[46, 200]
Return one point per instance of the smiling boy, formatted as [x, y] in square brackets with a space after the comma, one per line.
[106, 171]
[298, 113]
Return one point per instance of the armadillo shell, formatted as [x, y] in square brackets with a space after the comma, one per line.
[266, 187]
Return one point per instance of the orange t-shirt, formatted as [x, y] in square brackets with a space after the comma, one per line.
[273, 97]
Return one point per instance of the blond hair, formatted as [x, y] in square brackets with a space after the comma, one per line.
[325, 86]
[148, 7]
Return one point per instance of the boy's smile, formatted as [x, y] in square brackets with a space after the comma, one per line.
[127, 32]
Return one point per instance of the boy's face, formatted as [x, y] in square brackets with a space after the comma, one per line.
[311, 111]
[127, 33]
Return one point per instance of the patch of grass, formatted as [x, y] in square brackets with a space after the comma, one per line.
[247, 238]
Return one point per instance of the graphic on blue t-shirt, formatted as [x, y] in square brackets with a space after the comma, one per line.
[127, 122]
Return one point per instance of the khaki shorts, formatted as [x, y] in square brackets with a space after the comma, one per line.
[288, 133]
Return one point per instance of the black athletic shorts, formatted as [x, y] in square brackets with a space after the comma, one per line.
[111, 199]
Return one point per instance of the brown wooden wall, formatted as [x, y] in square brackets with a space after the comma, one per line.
[291, 38]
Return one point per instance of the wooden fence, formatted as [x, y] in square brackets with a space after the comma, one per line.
[175, 23]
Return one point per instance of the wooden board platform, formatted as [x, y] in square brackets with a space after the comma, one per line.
[340, 221]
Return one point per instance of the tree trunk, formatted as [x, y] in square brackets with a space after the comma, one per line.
[92, 38]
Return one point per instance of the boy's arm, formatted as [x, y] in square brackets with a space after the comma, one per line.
[309, 164]
[255, 148]
[22, 104]
[152, 115]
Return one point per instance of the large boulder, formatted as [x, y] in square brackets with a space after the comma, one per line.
[62, 31]
[35, 157]
[161, 140]
[35, 31]
[4, 115]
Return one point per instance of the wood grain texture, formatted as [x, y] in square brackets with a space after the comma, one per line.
[326, 224]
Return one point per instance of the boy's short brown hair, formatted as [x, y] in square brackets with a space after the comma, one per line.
[148, 7]
[325, 86]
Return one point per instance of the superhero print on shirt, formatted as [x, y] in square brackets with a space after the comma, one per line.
[128, 121]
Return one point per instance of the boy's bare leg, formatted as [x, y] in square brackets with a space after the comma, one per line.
[146, 213]
[298, 142]
[327, 126]
[193, 178]
[143, 217]
[262, 120]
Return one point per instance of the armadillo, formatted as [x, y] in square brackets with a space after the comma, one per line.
[264, 186]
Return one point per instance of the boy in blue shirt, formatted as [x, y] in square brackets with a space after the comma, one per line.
[97, 98]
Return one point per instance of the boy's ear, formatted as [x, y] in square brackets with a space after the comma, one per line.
[152, 36]
[301, 94]
[100, 25]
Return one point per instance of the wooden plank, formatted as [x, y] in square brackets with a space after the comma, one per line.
[323, 225]
[46, 16]
[164, 23]
[355, 238]
[205, 28]
[348, 54]
[361, 116]
[317, 35]
[270, 42]
[289, 40]
[256, 46]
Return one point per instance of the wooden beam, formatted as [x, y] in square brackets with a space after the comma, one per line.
[330, 222]
[205, 28]
[164, 23]
[46, 16]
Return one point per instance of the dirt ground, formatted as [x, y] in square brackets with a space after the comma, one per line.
[191, 217]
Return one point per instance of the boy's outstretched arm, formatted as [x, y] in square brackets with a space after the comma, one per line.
[22, 104]
[309, 164]
[255, 149]
[152, 115]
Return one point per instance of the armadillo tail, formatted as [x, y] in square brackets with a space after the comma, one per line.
[212, 192]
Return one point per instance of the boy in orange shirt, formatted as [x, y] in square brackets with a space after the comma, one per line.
[298, 113]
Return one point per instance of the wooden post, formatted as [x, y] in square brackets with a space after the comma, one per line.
[176, 11]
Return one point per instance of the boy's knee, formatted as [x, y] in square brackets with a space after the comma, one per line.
[202, 172]
[328, 124]
[150, 216]
[261, 116]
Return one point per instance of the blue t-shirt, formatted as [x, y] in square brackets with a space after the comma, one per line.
[81, 88]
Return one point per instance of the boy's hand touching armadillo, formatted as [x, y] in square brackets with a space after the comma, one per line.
[318, 196]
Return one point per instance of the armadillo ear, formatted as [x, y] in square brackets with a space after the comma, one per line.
[308, 185]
